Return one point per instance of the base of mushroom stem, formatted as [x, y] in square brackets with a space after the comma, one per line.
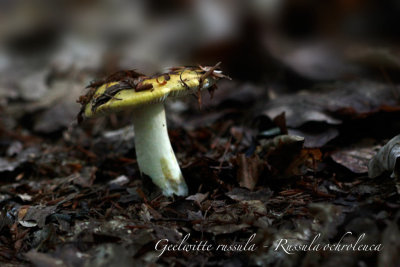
[154, 152]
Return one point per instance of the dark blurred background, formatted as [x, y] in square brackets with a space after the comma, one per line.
[49, 50]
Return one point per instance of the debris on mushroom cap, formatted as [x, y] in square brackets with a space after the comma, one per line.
[130, 89]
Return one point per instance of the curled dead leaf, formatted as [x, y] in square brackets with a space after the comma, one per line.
[387, 159]
[249, 171]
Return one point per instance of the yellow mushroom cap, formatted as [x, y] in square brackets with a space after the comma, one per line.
[179, 82]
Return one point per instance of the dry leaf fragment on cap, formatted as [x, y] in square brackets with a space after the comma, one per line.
[387, 159]
[145, 96]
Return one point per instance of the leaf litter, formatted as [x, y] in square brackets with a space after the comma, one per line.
[105, 213]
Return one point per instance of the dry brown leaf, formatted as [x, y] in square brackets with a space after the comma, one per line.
[387, 159]
[249, 170]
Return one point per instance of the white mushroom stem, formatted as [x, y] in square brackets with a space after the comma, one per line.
[154, 153]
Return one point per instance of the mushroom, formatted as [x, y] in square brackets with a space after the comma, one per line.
[145, 96]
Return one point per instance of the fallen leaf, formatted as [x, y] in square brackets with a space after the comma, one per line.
[286, 156]
[199, 197]
[355, 158]
[316, 139]
[249, 170]
[387, 159]
[35, 215]
[25, 197]
[330, 102]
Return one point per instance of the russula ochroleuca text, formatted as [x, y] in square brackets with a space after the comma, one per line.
[145, 96]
